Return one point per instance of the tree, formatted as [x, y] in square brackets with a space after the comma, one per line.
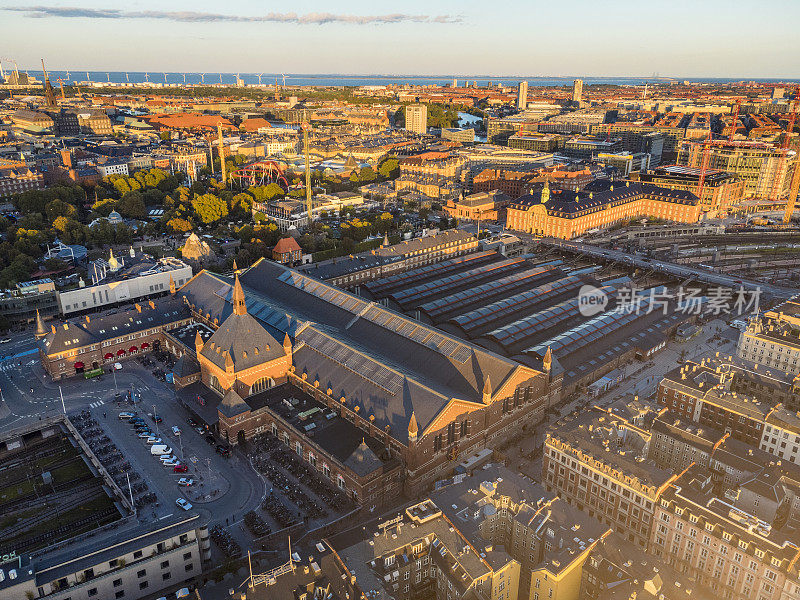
[210, 208]
[179, 225]
[367, 174]
[60, 223]
[272, 191]
[242, 202]
[58, 208]
[389, 168]
[132, 205]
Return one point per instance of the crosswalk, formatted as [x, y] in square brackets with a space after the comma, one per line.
[96, 404]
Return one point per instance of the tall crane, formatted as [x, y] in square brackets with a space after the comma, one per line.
[306, 126]
[61, 81]
[735, 122]
[222, 156]
[794, 186]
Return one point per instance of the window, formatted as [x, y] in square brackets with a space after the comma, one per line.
[137, 554]
[187, 556]
[189, 567]
[141, 573]
[262, 384]
[165, 576]
[164, 564]
[117, 582]
[143, 585]
[92, 592]
[120, 594]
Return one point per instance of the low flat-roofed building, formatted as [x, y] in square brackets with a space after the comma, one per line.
[129, 277]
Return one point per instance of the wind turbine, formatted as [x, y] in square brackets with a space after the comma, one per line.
[220, 78]
[203, 78]
[147, 78]
[165, 78]
[259, 78]
[108, 78]
[284, 79]
[184, 79]
[127, 78]
[87, 76]
[67, 75]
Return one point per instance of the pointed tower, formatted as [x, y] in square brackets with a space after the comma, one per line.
[171, 284]
[546, 192]
[228, 363]
[235, 268]
[547, 361]
[487, 391]
[239, 305]
[49, 93]
[198, 342]
[41, 331]
[113, 263]
[413, 429]
[385, 240]
[287, 345]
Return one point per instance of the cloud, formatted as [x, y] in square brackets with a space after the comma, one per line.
[204, 17]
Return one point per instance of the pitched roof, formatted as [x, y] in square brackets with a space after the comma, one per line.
[286, 245]
[232, 404]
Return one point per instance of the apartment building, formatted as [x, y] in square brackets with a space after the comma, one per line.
[597, 461]
[734, 553]
[721, 193]
[421, 553]
[760, 165]
[417, 118]
[774, 339]
[128, 566]
[497, 508]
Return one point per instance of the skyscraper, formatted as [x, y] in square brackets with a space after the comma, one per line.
[522, 95]
[417, 118]
[577, 91]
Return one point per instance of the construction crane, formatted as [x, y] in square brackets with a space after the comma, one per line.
[735, 122]
[794, 186]
[704, 166]
[222, 156]
[61, 81]
[306, 126]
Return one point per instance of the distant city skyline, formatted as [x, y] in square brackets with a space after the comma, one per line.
[530, 39]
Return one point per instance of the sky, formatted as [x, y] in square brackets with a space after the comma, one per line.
[681, 38]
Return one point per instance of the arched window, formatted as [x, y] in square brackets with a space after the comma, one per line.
[215, 385]
[262, 384]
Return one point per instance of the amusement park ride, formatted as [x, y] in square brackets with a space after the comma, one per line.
[261, 172]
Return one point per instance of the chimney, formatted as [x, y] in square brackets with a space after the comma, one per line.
[88, 320]
[152, 304]
[138, 307]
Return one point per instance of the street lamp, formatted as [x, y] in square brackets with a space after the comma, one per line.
[155, 420]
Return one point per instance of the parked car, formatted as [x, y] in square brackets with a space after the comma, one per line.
[126, 415]
[175, 430]
[180, 468]
[160, 449]
[223, 450]
[153, 440]
[183, 503]
[118, 366]
[145, 435]
[192, 422]
[171, 462]
[200, 430]
[186, 481]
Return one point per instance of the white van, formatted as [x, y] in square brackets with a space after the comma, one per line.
[159, 449]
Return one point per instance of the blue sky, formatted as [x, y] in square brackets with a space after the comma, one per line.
[699, 38]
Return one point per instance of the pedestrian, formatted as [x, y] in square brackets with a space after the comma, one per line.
[104, 414]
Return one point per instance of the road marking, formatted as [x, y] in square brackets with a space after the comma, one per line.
[165, 517]
[96, 404]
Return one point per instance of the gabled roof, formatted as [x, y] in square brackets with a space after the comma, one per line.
[232, 404]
